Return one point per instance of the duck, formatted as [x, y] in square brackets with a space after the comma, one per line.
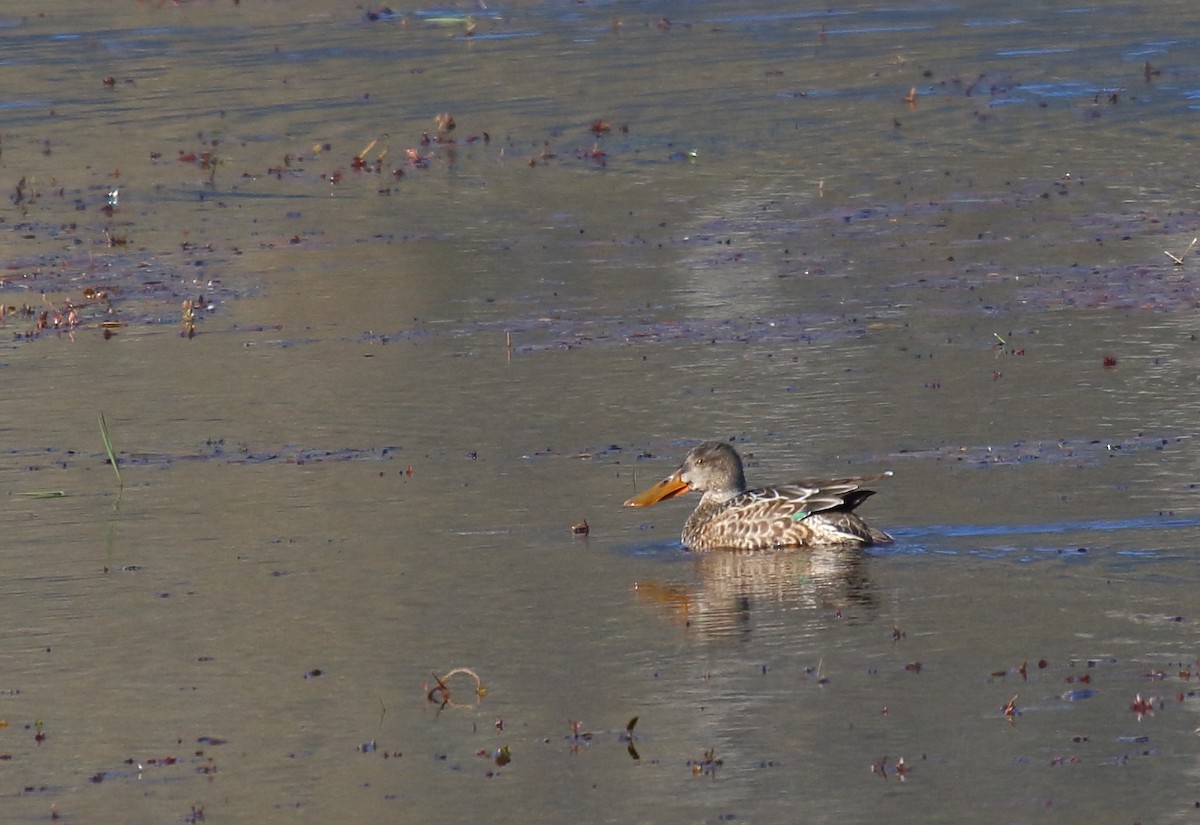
[809, 514]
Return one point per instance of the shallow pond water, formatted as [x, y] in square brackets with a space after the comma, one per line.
[929, 239]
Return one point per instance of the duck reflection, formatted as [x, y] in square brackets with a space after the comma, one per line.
[737, 592]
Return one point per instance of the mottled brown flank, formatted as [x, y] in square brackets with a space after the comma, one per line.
[763, 519]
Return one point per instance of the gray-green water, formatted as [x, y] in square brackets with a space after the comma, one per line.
[346, 482]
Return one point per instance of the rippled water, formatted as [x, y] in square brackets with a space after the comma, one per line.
[929, 239]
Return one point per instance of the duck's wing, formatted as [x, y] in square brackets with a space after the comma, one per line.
[799, 499]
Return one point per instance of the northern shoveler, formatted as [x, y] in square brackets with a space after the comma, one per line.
[804, 514]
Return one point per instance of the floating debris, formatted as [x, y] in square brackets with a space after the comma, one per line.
[440, 694]
[1010, 710]
[879, 768]
[708, 765]
[578, 737]
[1144, 706]
[1178, 259]
[628, 737]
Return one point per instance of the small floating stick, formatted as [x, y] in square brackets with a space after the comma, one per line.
[367, 148]
[360, 160]
[1179, 261]
[440, 693]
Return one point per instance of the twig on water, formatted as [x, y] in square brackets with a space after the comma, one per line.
[1179, 260]
[440, 693]
[360, 161]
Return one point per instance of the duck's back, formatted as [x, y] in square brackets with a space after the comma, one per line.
[805, 514]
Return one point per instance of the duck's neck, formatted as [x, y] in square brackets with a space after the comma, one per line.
[716, 498]
[708, 507]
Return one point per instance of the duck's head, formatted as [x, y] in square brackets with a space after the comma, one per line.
[713, 468]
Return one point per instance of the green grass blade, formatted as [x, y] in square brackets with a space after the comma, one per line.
[108, 448]
[44, 494]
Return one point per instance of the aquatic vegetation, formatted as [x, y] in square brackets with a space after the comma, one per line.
[578, 737]
[108, 449]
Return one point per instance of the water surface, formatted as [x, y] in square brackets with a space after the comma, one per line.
[651, 225]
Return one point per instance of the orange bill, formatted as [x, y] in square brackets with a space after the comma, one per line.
[667, 488]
